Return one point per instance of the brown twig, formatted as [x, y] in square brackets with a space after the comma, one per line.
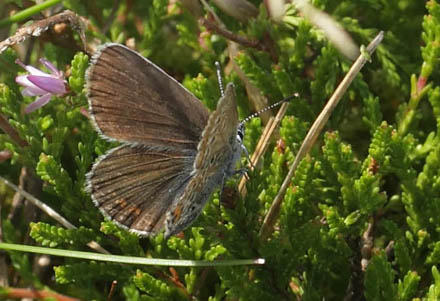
[12, 292]
[263, 144]
[264, 45]
[41, 26]
[367, 245]
[256, 44]
[313, 134]
[217, 26]
[112, 290]
[230, 35]
[111, 17]
[11, 131]
[174, 278]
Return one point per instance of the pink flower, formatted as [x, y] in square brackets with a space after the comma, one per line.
[42, 84]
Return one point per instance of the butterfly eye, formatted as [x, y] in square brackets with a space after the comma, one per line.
[240, 132]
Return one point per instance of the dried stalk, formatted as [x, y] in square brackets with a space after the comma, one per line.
[314, 132]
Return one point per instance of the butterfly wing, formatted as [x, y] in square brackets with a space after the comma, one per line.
[134, 101]
[135, 186]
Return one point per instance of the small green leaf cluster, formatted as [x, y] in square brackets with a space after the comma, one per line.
[52, 236]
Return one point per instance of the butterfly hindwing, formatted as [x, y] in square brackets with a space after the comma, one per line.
[135, 186]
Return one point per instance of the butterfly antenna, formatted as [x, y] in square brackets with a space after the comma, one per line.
[287, 99]
[219, 78]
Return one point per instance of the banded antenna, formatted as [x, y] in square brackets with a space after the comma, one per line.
[219, 78]
[287, 99]
[222, 93]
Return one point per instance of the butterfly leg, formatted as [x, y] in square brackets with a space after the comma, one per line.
[223, 181]
[222, 186]
[241, 172]
[246, 153]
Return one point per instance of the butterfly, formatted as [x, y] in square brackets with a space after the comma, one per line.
[173, 152]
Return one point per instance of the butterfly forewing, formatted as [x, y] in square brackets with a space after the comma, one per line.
[132, 100]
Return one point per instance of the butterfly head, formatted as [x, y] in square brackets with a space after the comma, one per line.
[240, 132]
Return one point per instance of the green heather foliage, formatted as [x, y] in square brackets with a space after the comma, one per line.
[361, 217]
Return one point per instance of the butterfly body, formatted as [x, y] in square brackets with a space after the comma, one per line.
[218, 152]
[173, 153]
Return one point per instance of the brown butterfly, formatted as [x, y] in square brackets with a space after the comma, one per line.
[173, 153]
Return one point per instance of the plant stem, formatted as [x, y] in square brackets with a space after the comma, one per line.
[129, 259]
